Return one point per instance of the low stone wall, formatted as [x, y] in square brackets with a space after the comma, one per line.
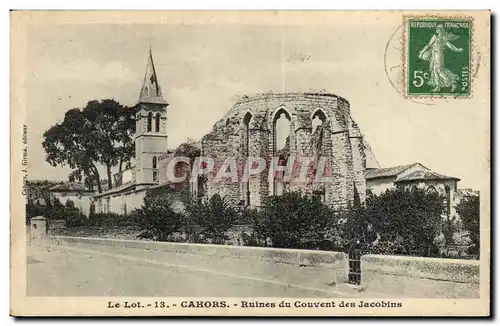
[333, 265]
[419, 277]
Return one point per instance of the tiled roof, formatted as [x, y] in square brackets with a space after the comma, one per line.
[168, 185]
[68, 186]
[425, 175]
[121, 188]
[387, 172]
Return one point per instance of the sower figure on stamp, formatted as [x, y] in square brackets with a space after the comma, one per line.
[434, 53]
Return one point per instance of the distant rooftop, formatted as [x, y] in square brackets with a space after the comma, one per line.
[394, 171]
[120, 188]
[387, 172]
[425, 175]
[70, 186]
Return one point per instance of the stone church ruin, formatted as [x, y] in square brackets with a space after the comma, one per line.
[319, 125]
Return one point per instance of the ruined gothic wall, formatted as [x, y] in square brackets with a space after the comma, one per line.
[358, 160]
[339, 140]
[221, 143]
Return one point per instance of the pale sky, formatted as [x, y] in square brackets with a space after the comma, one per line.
[201, 68]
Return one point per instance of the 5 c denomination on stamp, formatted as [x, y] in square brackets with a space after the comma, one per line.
[437, 56]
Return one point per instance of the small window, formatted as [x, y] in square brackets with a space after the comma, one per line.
[157, 122]
[155, 171]
[150, 121]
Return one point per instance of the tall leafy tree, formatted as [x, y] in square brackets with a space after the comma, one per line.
[295, 220]
[414, 216]
[468, 210]
[159, 219]
[99, 134]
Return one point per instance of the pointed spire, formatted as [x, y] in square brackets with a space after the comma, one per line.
[151, 91]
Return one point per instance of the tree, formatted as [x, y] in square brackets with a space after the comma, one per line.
[355, 225]
[99, 134]
[413, 216]
[211, 218]
[189, 149]
[72, 215]
[159, 218]
[295, 220]
[468, 210]
[450, 227]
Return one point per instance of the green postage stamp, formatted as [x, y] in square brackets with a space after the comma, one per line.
[438, 56]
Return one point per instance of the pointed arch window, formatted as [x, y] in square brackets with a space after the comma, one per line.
[432, 190]
[150, 121]
[282, 144]
[157, 122]
[155, 169]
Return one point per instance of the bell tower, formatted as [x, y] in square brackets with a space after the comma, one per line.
[151, 128]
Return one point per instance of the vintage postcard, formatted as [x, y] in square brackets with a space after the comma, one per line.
[250, 163]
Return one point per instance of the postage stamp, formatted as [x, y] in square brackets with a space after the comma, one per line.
[438, 56]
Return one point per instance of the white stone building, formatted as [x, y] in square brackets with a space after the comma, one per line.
[75, 192]
[414, 176]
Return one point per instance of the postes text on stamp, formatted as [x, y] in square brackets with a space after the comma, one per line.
[438, 57]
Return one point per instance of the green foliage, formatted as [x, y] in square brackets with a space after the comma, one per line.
[295, 220]
[70, 204]
[57, 211]
[247, 216]
[396, 222]
[450, 227]
[111, 219]
[211, 219]
[407, 221]
[188, 149]
[75, 218]
[250, 240]
[394, 247]
[355, 225]
[190, 222]
[468, 210]
[100, 133]
[72, 215]
[203, 220]
[33, 210]
[159, 219]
